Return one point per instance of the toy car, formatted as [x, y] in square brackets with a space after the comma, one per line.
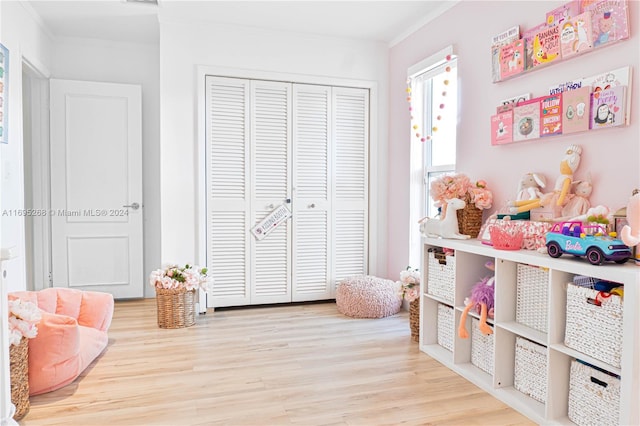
[591, 241]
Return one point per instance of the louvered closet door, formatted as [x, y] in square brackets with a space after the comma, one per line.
[271, 183]
[227, 178]
[350, 124]
[312, 199]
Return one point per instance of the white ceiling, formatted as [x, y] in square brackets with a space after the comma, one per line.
[386, 21]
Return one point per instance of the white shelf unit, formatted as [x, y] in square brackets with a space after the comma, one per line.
[471, 256]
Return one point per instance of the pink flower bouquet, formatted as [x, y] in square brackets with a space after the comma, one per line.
[410, 284]
[23, 320]
[460, 186]
[189, 277]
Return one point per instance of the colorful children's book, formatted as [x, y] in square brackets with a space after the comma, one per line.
[576, 110]
[608, 107]
[528, 36]
[546, 46]
[497, 42]
[526, 120]
[560, 15]
[575, 35]
[565, 87]
[512, 59]
[609, 79]
[551, 115]
[502, 128]
[609, 21]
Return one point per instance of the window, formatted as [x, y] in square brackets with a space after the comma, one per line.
[434, 104]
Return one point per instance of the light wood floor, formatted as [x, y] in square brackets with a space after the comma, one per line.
[282, 365]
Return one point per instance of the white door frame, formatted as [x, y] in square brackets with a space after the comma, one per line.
[201, 203]
[40, 174]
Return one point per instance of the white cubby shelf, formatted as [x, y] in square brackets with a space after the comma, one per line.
[471, 256]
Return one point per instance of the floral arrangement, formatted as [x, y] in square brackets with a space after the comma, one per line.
[23, 320]
[189, 277]
[460, 186]
[410, 284]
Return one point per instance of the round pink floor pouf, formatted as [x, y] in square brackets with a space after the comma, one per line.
[365, 296]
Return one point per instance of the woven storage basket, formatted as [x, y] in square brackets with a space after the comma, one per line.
[19, 372]
[446, 321]
[481, 348]
[591, 329]
[594, 396]
[414, 319]
[176, 307]
[440, 281]
[532, 286]
[469, 219]
[530, 376]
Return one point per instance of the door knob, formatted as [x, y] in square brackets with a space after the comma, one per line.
[134, 206]
[312, 205]
[270, 206]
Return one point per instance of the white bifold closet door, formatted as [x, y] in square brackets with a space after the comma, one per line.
[273, 143]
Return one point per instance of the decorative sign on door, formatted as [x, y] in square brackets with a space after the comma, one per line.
[271, 222]
[4, 94]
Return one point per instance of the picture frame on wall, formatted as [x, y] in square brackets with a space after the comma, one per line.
[4, 94]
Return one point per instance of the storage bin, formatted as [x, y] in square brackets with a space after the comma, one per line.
[594, 324]
[530, 375]
[532, 286]
[440, 281]
[481, 348]
[594, 396]
[446, 321]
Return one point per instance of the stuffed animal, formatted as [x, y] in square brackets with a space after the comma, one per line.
[447, 226]
[558, 198]
[630, 234]
[530, 187]
[482, 300]
[579, 204]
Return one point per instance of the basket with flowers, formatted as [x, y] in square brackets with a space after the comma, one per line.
[176, 293]
[410, 288]
[476, 196]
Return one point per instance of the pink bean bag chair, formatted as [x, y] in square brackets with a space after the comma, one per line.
[366, 296]
[71, 334]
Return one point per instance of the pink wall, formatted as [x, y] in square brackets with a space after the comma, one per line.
[612, 156]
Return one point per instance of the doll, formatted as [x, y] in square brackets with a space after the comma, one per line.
[579, 204]
[530, 187]
[482, 300]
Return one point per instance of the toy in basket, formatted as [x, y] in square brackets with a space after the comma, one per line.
[506, 236]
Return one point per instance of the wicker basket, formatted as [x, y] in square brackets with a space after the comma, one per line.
[481, 348]
[469, 219]
[440, 281]
[532, 285]
[414, 319]
[593, 329]
[19, 372]
[176, 307]
[530, 376]
[445, 326]
[594, 396]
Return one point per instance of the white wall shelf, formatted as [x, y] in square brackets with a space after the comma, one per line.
[471, 255]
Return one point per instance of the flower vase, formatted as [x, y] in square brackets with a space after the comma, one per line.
[19, 374]
[414, 319]
[176, 307]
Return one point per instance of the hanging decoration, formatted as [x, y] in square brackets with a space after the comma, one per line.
[416, 127]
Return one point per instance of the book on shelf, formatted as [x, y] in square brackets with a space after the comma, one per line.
[613, 78]
[502, 128]
[528, 36]
[526, 120]
[551, 115]
[576, 36]
[566, 86]
[608, 107]
[546, 46]
[511, 59]
[561, 14]
[609, 21]
[576, 110]
[497, 42]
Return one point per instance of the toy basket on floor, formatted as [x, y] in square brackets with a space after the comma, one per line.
[506, 237]
[176, 307]
[469, 219]
[414, 319]
[19, 372]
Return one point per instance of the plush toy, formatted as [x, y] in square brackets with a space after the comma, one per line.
[630, 234]
[597, 211]
[579, 204]
[530, 187]
[447, 226]
[482, 300]
[558, 198]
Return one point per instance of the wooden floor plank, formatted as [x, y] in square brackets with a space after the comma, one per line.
[281, 365]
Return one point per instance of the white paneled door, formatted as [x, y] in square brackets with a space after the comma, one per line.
[96, 187]
[305, 146]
